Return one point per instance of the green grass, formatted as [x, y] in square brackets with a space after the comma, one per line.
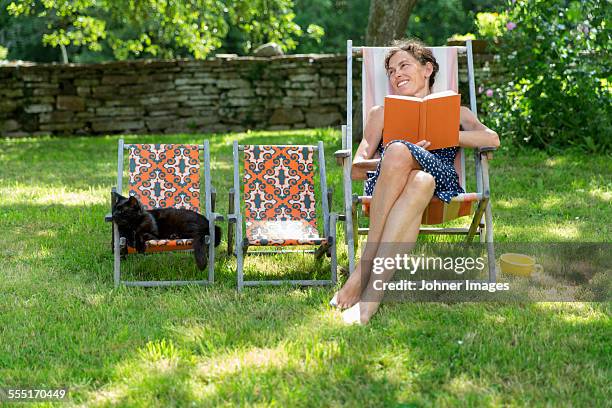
[63, 324]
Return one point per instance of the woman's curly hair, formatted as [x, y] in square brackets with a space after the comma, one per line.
[418, 50]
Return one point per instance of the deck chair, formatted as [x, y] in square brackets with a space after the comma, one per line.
[162, 176]
[375, 86]
[280, 206]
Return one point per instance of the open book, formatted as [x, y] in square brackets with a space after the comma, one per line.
[434, 118]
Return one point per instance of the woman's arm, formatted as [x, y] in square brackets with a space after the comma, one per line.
[474, 133]
[364, 160]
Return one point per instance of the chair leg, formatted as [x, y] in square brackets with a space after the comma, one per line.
[489, 242]
[334, 249]
[240, 254]
[211, 250]
[239, 270]
[353, 247]
[482, 205]
[230, 225]
[117, 256]
[321, 250]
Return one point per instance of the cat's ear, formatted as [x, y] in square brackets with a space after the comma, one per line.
[133, 202]
[118, 197]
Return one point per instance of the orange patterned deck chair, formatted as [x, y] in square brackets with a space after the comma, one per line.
[375, 87]
[164, 176]
[280, 206]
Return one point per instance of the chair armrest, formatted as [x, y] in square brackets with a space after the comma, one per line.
[213, 198]
[487, 151]
[341, 155]
[231, 216]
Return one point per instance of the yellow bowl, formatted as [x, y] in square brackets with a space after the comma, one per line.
[518, 264]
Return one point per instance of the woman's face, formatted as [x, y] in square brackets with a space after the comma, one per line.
[407, 76]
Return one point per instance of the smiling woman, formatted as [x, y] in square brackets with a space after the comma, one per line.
[402, 177]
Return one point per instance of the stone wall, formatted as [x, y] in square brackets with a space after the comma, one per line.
[217, 95]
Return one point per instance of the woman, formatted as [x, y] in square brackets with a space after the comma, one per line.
[402, 177]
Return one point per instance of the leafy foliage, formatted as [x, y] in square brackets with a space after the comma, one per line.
[164, 29]
[436, 21]
[340, 20]
[22, 36]
[558, 91]
[491, 25]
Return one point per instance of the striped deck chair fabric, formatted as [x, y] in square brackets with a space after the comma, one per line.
[376, 86]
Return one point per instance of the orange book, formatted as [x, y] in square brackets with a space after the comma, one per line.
[434, 118]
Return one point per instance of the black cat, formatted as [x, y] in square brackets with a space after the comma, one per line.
[139, 225]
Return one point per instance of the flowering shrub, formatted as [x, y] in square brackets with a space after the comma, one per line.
[490, 25]
[556, 92]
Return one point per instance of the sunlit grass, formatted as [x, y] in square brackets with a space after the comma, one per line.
[63, 324]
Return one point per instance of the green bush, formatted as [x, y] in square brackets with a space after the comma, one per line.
[557, 91]
[490, 25]
[3, 52]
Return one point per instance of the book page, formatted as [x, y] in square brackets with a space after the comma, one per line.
[440, 95]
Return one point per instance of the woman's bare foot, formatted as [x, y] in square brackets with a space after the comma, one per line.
[360, 313]
[350, 293]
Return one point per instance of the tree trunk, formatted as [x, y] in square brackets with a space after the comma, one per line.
[387, 22]
[64, 54]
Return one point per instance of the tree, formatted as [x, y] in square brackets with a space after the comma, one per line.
[22, 36]
[166, 29]
[388, 21]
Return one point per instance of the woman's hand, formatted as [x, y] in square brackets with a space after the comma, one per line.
[361, 167]
[424, 144]
[474, 133]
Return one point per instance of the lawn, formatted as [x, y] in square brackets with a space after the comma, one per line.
[63, 325]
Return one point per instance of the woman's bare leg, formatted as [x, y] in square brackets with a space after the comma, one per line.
[394, 172]
[399, 235]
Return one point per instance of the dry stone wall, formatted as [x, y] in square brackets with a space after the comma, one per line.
[217, 95]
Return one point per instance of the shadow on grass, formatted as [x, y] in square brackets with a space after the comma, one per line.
[422, 354]
[62, 324]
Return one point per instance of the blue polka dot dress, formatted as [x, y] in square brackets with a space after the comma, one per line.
[439, 163]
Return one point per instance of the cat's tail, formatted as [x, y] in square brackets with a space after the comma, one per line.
[200, 250]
